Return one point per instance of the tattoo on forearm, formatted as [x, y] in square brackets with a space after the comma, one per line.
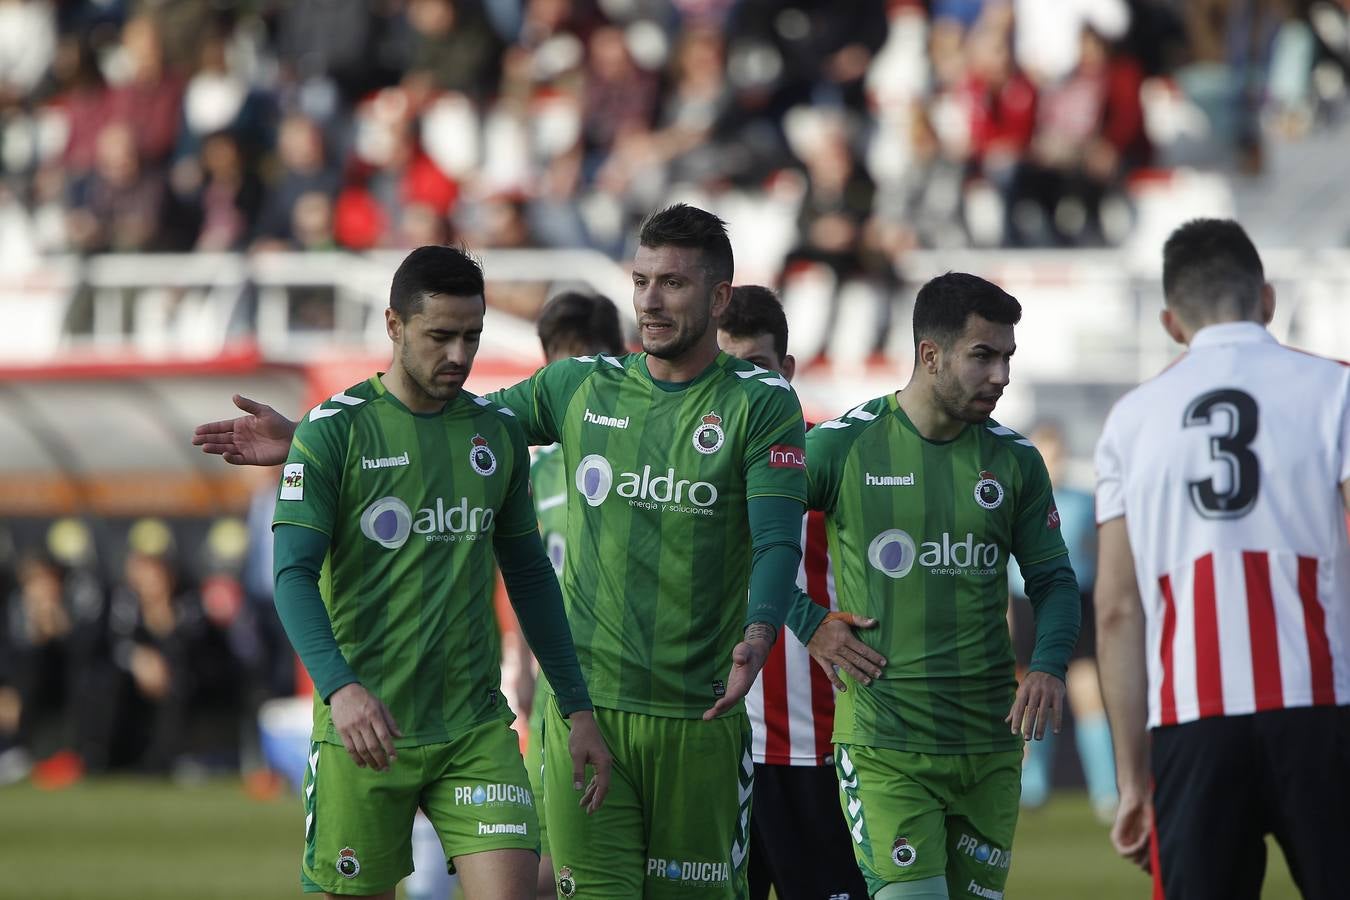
[761, 631]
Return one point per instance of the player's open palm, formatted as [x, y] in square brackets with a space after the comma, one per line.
[366, 726]
[747, 658]
[261, 438]
[587, 748]
[835, 646]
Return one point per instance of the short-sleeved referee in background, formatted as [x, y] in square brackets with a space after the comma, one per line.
[1223, 591]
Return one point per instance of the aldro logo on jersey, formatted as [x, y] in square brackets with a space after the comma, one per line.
[389, 522]
[988, 492]
[894, 553]
[481, 457]
[667, 492]
[709, 436]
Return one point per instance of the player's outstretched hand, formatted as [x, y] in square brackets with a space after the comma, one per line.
[366, 726]
[587, 747]
[1039, 702]
[747, 658]
[834, 646]
[261, 438]
[1132, 829]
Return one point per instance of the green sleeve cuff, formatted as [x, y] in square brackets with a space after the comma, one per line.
[298, 554]
[537, 600]
[776, 538]
[1052, 589]
[804, 615]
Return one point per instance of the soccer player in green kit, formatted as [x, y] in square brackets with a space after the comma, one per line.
[926, 496]
[569, 324]
[685, 489]
[394, 498]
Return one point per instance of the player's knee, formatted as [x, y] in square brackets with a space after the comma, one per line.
[934, 888]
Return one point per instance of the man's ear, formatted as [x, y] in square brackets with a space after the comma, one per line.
[1172, 324]
[789, 365]
[929, 356]
[721, 300]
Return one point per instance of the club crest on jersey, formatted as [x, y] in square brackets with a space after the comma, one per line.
[903, 853]
[348, 865]
[567, 885]
[481, 457]
[988, 492]
[709, 436]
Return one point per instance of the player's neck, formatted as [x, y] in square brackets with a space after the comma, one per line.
[397, 382]
[926, 415]
[687, 366]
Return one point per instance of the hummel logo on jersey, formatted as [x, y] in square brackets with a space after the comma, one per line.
[978, 890]
[389, 522]
[386, 462]
[501, 828]
[607, 421]
[890, 480]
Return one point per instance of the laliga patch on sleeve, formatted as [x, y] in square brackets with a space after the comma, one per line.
[785, 456]
[293, 482]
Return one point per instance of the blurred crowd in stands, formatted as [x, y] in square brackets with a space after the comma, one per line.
[143, 645]
[870, 127]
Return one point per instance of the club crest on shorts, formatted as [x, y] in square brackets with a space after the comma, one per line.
[988, 492]
[708, 436]
[348, 865]
[481, 457]
[903, 853]
[567, 885]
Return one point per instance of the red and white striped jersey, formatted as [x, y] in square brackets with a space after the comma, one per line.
[791, 704]
[1228, 469]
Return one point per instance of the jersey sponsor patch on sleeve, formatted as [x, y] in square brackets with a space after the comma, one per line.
[1052, 517]
[293, 482]
[785, 456]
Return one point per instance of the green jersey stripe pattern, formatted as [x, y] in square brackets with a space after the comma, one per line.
[920, 533]
[658, 549]
[411, 503]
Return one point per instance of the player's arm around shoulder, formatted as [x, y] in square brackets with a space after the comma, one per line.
[540, 401]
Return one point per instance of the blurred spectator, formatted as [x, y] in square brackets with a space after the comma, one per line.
[454, 48]
[179, 685]
[122, 204]
[1090, 130]
[50, 643]
[620, 98]
[231, 195]
[27, 47]
[304, 170]
[145, 94]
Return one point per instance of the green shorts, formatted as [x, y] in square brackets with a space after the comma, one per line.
[358, 822]
[918, 815]
[534, 759]
[676, 822]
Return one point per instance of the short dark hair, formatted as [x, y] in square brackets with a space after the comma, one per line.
[682, 225]
[947, 301]
[589, 322]
[756, 310]
[434, 270]
[1211, 269]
